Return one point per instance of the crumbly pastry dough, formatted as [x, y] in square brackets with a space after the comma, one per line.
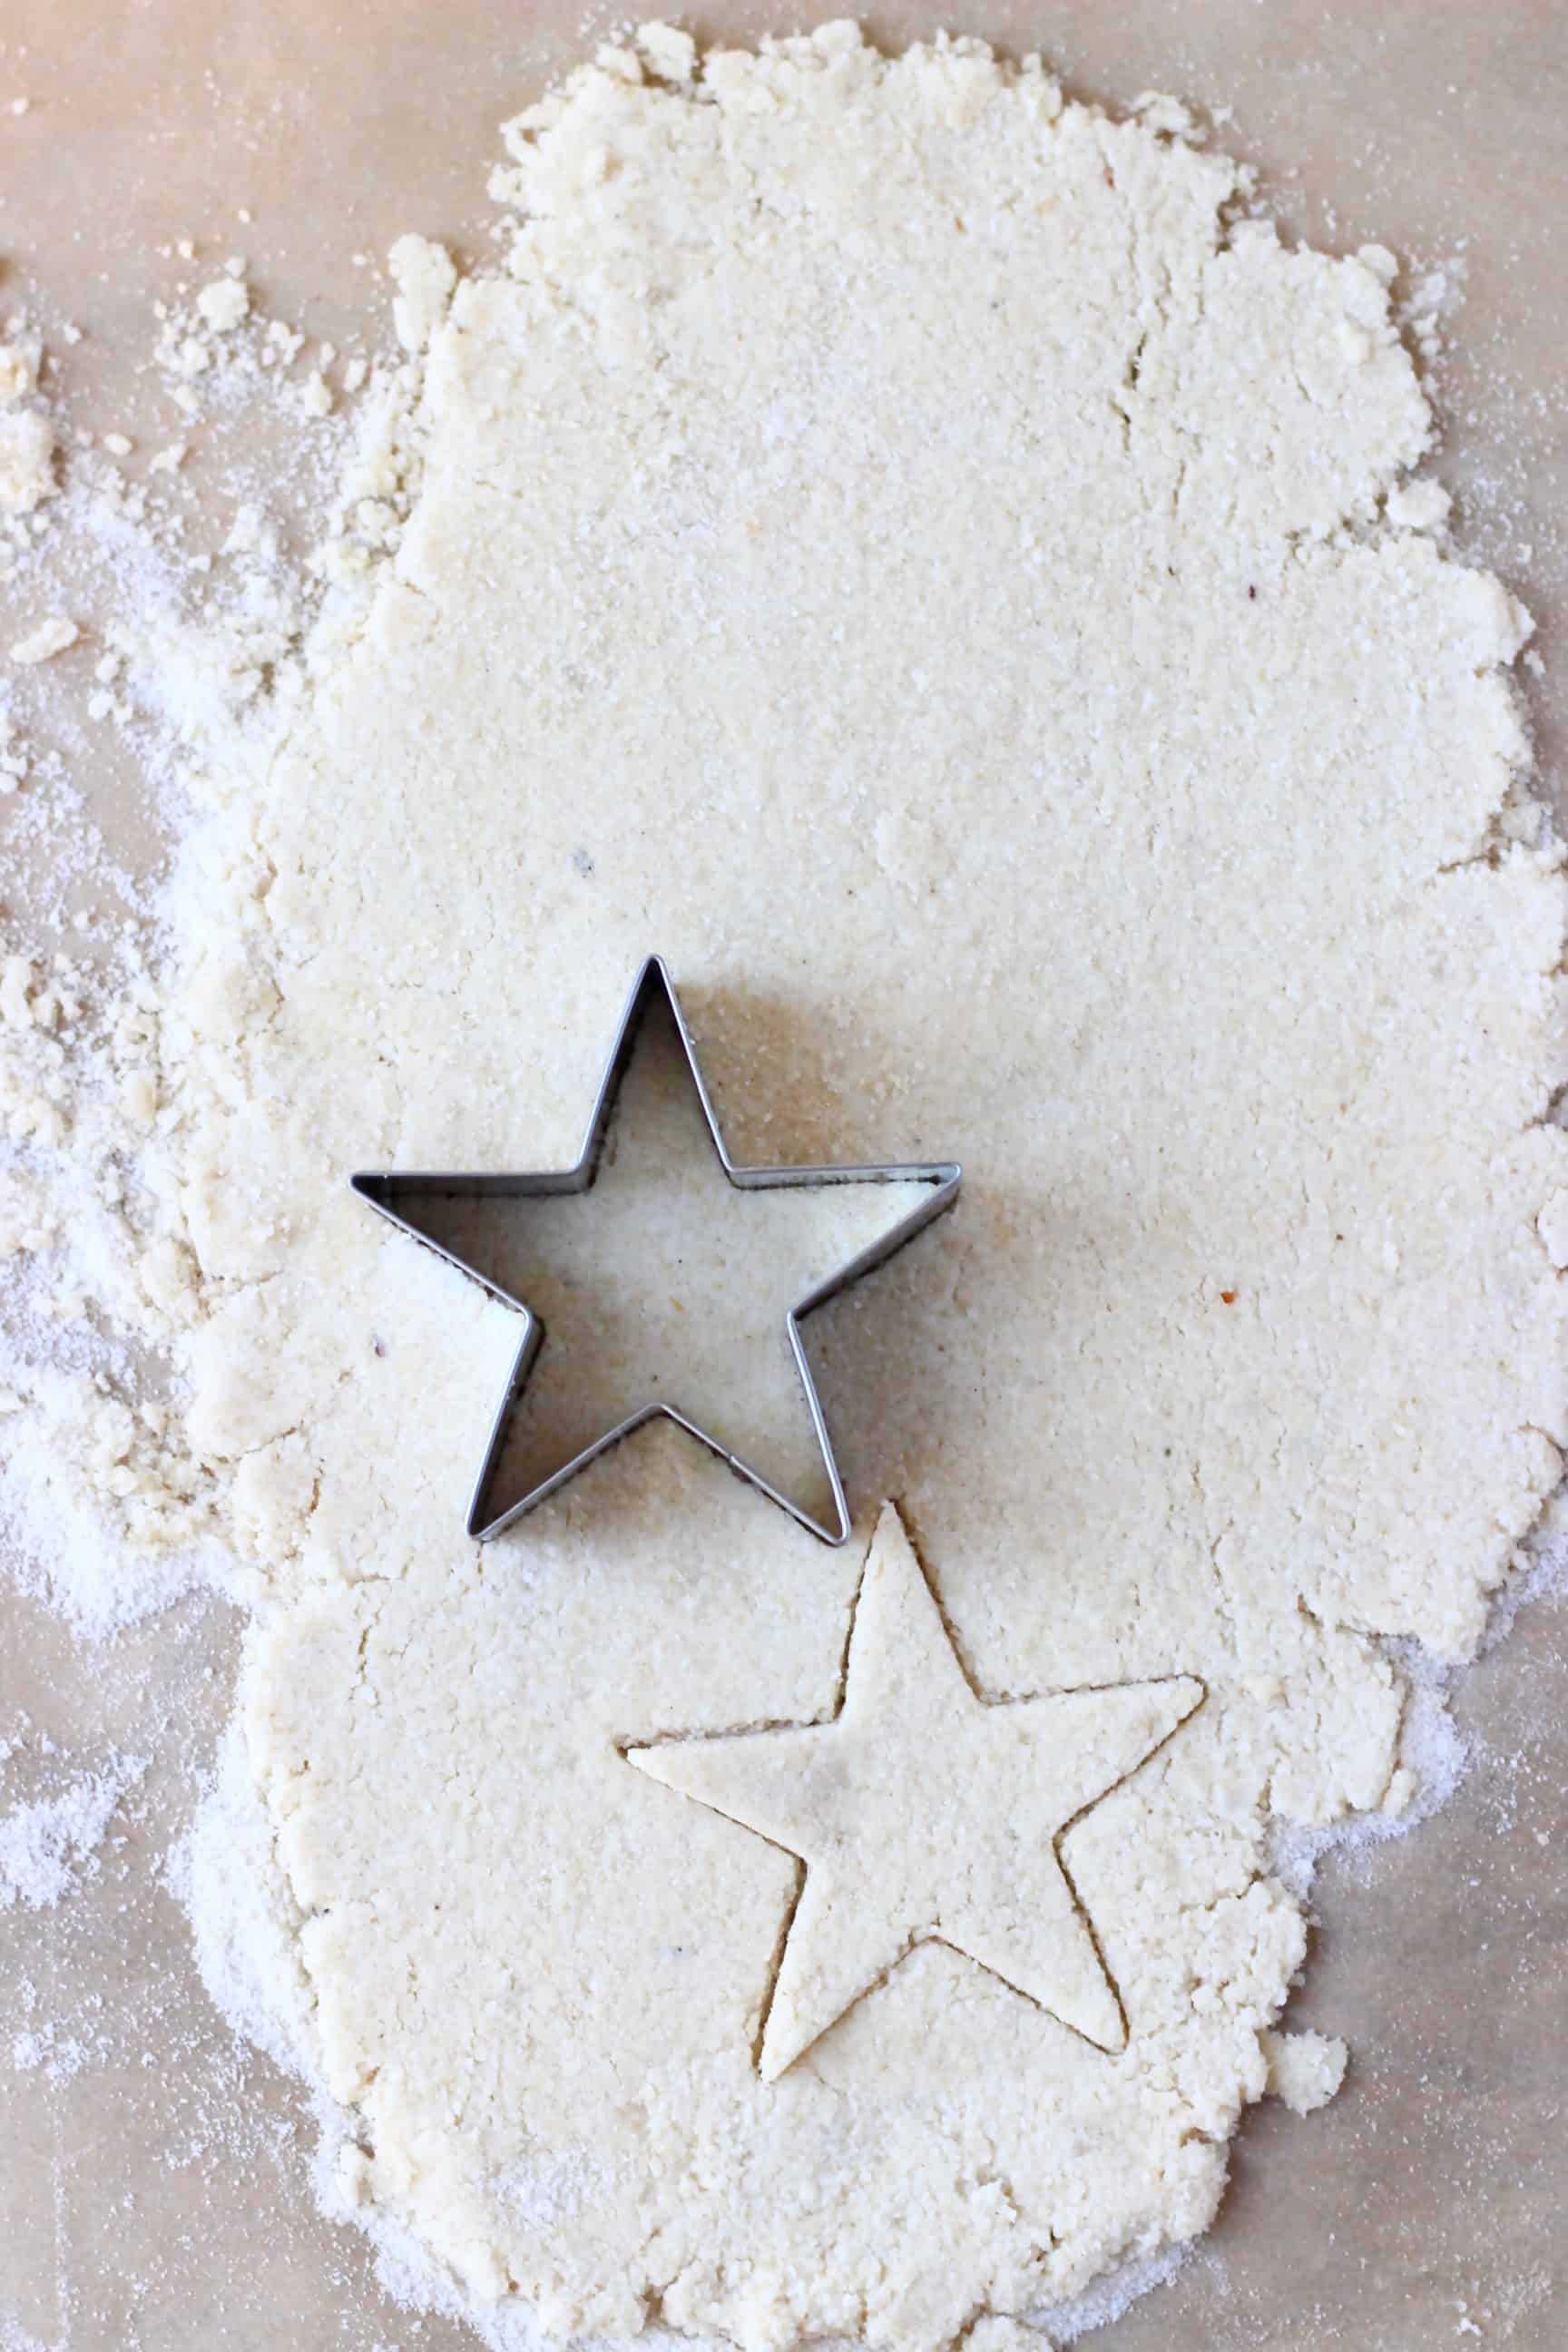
[898, 545]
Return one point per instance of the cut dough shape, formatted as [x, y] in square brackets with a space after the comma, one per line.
[921, 1811]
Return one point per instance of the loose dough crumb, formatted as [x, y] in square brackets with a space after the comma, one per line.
[27, 460]
[1419, 506]
[672, 54]
[1305, 2069]
[224, 304]
[55, 636]
[19, 363]
[424, 275]
[284, 343]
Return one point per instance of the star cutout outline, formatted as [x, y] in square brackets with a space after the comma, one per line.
[383, 1190]
[805, 1955]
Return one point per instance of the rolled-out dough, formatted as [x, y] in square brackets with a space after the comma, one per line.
[915, 554]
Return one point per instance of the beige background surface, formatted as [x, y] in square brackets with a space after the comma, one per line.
[159, 2198]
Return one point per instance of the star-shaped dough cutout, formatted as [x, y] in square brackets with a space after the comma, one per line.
[924, 1812]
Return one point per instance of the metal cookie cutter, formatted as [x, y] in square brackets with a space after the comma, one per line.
[391, 1192]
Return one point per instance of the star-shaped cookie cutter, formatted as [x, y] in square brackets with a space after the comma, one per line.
[389, 1191]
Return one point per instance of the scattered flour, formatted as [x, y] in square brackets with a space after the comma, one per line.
[50, 1847]
[225, 1871]
[54, 2051]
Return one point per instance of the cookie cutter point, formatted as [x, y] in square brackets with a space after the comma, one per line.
[391, 1192]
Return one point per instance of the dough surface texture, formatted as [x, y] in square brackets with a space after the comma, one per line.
[910, 552]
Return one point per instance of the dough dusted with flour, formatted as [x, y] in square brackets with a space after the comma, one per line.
[886, 544]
